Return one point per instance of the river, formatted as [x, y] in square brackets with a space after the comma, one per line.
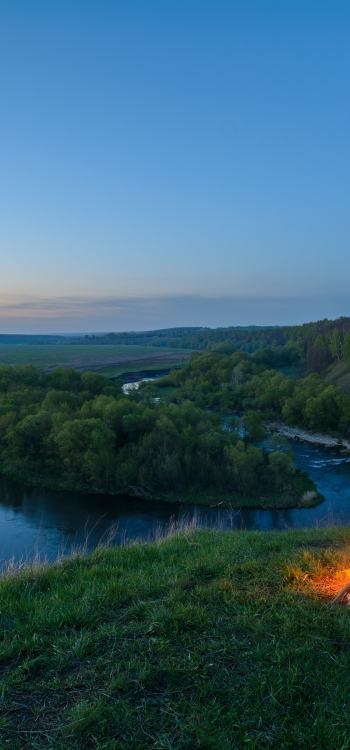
[44, 524]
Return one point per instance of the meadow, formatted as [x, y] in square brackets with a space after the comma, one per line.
[204, 640]
[111, 360]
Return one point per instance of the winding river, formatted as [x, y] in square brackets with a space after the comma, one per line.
[45, 524]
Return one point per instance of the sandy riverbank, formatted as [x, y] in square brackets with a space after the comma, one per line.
[317, 438]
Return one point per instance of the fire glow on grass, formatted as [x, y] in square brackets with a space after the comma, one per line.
[335, 585]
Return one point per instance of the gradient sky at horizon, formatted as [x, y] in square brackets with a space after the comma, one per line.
[173, 163]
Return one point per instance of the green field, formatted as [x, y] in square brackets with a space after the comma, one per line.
[107, 359]
[208, 640]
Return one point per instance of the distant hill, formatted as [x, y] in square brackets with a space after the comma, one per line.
[18, 338]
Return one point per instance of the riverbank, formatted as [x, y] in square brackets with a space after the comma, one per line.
[302, 492]
[316, 438]
[204, 640]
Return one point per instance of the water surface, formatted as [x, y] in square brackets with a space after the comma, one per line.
[36, 522]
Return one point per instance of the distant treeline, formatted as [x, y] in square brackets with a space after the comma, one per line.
[19, 338]
[316, 345]
[240, 338]
[313, 345]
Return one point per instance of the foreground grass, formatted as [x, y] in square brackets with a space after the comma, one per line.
[209, 640]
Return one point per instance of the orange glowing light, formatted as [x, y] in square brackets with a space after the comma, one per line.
[335, 586]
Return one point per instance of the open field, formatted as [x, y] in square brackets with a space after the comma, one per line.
[206, 640]
[111, 359]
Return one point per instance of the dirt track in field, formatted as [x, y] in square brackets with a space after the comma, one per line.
[164, 360]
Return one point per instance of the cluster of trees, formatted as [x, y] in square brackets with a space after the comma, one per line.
[309, 402]
[238, 383]
[321, 343]
[326, 348]
[78, 431]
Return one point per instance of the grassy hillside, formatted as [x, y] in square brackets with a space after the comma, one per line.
[207, 640]
[339, 375]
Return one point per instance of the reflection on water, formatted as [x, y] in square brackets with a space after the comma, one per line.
[38, 522]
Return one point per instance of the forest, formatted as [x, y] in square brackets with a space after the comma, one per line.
[197, 434]
[242, 384]
[67, 430]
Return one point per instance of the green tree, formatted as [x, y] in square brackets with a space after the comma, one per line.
[346, 347]
[336, 344]
[253, 428]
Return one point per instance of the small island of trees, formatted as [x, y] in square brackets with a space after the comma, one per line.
[67, 430]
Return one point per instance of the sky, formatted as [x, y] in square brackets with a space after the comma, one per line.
[180, 162]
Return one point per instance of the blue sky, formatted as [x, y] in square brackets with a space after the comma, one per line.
[169, 163]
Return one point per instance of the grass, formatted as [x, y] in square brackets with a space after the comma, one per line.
[89, 356]
[339, 374]
[205, 640]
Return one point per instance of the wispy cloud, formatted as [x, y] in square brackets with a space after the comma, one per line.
[67, 314]
[58, 307]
